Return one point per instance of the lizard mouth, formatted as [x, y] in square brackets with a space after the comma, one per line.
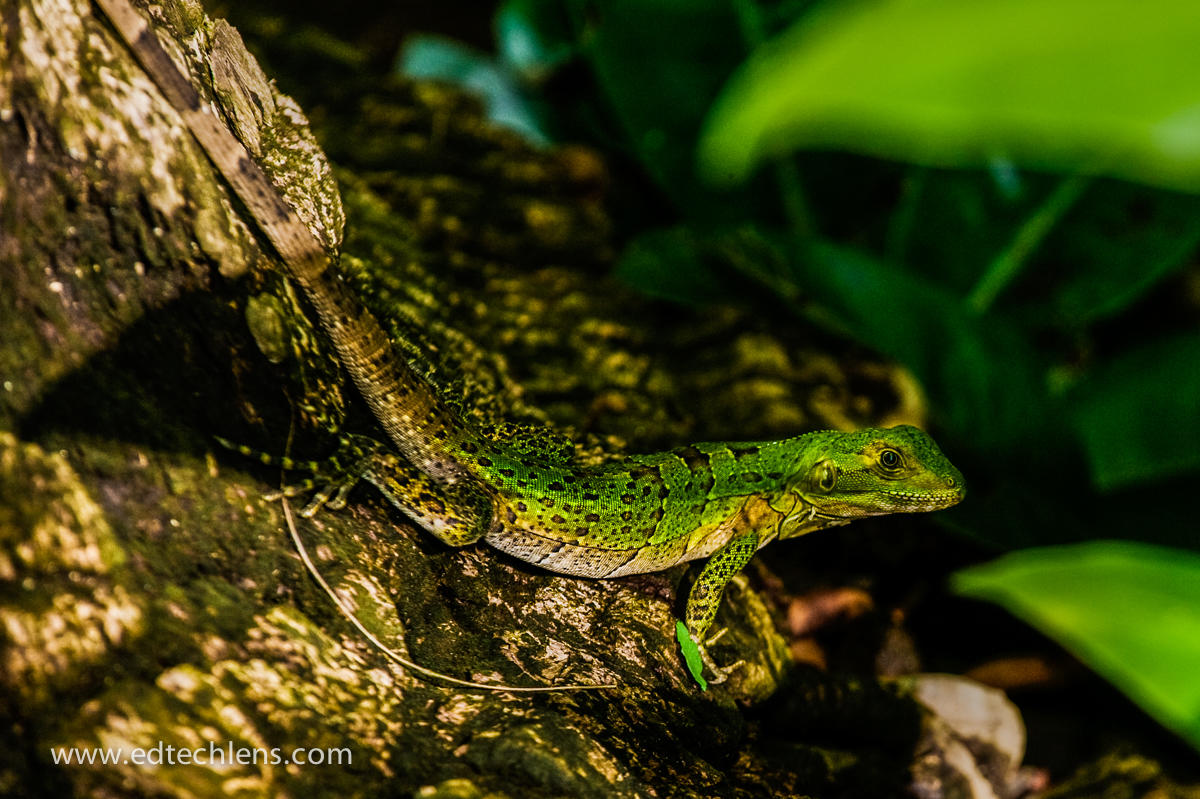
[926, 500]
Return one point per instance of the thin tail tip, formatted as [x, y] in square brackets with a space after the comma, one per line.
[264, 458]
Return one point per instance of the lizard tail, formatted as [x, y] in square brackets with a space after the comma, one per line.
[414, 417]
[267, 459]
[417, 422]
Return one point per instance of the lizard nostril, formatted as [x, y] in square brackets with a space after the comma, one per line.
[951, 482]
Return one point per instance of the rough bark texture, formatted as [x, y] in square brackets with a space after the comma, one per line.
[151, 596]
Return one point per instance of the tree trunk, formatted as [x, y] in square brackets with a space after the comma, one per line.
[152, 597]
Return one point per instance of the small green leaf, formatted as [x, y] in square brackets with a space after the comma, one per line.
[1138, 415]
[1130, 611]
[691, 654]
[1077, 85]
[1122, 242]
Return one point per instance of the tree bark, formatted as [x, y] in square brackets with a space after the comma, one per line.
[151, 597]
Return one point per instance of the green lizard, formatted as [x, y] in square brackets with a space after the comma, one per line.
[646, 513]
[643, 513]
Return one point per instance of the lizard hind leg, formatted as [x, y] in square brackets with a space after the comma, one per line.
[335, 477]
[330, 480]
[457, 515]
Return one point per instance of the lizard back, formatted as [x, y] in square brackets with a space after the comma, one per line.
[640, 514]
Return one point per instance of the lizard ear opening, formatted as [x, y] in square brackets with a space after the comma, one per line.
[823, 477]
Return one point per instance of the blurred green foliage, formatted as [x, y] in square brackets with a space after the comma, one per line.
[1107, 85]
[1048, 308]
[1093, 597]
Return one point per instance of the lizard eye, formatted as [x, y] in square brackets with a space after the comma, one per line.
[889, 459]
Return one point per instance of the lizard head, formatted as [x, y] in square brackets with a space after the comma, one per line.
[878, 471]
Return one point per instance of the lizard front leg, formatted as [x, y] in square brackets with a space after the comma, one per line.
[705, 596]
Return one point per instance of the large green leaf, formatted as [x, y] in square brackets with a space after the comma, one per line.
[1130, 611]
[1094, 85]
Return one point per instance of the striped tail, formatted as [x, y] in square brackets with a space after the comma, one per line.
[422, 427]
[415, 419]
[267, 459]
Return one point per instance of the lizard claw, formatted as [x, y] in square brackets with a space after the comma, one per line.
[288, 491]
[720, 673]
[331, 479]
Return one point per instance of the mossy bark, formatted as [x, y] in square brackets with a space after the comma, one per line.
[151, 597]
